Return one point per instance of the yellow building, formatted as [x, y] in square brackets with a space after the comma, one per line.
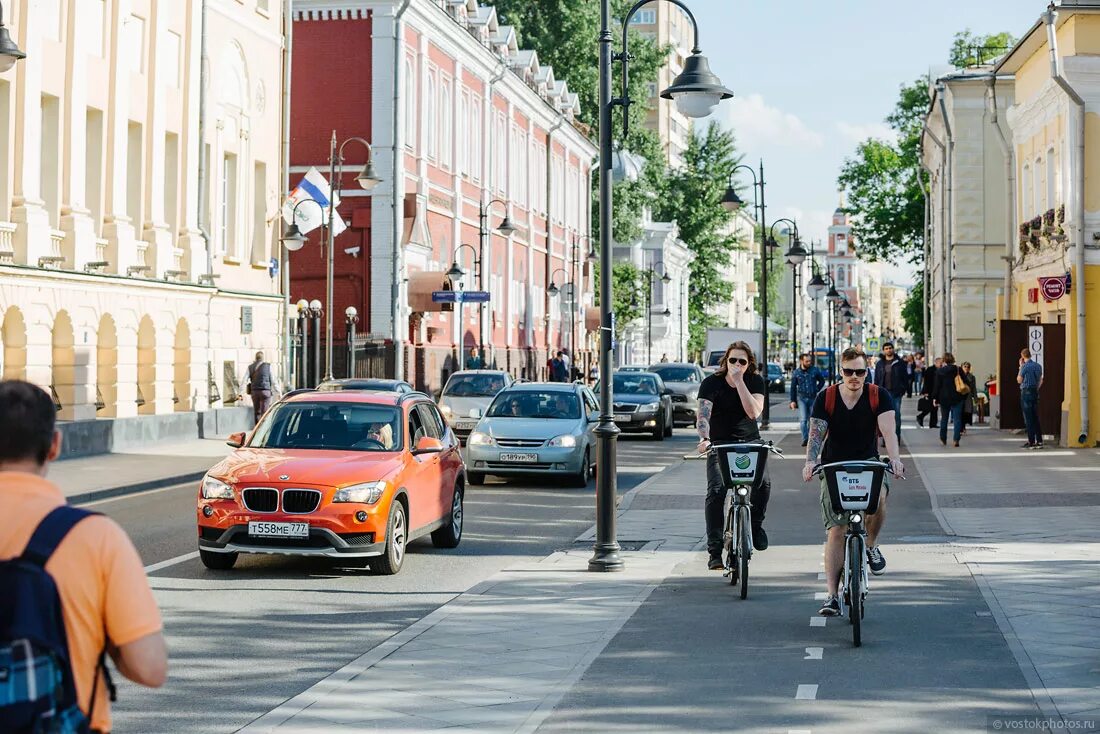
[1055, 123]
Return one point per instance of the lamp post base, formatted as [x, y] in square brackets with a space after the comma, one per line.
[605, 558]
[606, 549]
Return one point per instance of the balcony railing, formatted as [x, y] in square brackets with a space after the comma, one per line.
[7, 243]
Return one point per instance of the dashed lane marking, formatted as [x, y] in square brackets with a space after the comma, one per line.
[799, 731]
[806, 692]
[821, 596]
[814, 653]
[817, 621]
[172, 562]
[821, 576]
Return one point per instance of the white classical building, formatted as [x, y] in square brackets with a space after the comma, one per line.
[134, 257]
[740, 311]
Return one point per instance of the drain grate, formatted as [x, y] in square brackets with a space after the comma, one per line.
[626, 545]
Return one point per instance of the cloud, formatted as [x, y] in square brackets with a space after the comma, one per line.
[855, 133]
[813, 224]
[755, 123]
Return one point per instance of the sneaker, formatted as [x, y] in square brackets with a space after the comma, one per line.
[1038, 446]
[876, 562]
[1028, 445]
[759, 538]
[804, 443]
[830, 607]
[956, 444]
[715, 564]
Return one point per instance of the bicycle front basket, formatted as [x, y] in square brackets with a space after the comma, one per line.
[855, 488]
[742, 464]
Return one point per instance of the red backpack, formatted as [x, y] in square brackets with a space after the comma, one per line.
[872, 393]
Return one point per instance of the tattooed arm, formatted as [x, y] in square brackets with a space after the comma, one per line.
[818, 430]
[702, 424]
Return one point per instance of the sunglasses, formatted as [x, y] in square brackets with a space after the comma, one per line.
[738, 360]
[854, 373]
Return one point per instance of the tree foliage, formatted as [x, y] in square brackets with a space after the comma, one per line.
[692, 200]
[970, 50]
[627, 294]
[912, 311]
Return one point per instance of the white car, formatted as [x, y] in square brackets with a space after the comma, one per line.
[468, 394]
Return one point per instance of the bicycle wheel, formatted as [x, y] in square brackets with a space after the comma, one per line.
[744, 548]
[730, 539]
[855, 588]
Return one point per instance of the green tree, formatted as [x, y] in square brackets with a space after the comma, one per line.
[912, 311]
[565, 34]
[692, 201]
[627, 294]
[970, 50]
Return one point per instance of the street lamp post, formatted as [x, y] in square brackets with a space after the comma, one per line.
[733, 203]
[9, 51]
[303, 331]
[505, 228]
[351, 318]
[316, 310]
[796, 255]
[815, 288]
[457, 273]
[367, 179]
[553, 290]
[697, 92]
[293, 240]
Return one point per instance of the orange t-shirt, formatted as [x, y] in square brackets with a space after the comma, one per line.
[99, 575]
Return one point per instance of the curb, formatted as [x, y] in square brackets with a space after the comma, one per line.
[97, 495]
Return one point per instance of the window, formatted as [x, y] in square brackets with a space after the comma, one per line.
[229, 205]
[171, 181]
[259, 214]
[134, 150]
[416, 427]
[133, 35]
[410, 105]
[1025, 199]
[1051, 181]
[462, 164]
[49, 163]
[644, 17]
[445, 115]
[91, 25]
[429, 118]
[430, 419]
[476, 135]
[502, 154]
[168, 72]
[262, 6]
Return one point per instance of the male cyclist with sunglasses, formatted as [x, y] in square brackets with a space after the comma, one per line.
[844, 426]
[730, 402]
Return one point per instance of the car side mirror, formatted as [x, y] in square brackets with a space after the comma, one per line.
[236, 440]
[666, 391]
[428, 445]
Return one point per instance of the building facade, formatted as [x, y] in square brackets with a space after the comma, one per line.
[740, 311]
[667, 25]
[968, 215]
[134, 256]
[1055, 144]
[463, 123]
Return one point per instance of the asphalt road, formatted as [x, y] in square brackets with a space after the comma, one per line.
[243, 641]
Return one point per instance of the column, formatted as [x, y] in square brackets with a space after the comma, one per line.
[118, 228]
[76, 221]
[126, 375]
[160, 254]
[191, 240]
[28, 212]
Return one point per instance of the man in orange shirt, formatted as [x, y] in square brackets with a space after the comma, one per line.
[106, 601]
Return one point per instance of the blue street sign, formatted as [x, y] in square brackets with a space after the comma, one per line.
[445, 296]
[475, 296]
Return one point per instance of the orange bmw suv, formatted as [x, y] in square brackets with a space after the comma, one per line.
[351, 476]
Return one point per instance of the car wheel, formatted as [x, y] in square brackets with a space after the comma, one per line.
[450, 534]
[670, 425]
[475, 477]
[659, 431]
[217, 561]
[580, 480]
[397, 535]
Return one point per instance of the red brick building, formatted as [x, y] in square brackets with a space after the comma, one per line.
[458, 116]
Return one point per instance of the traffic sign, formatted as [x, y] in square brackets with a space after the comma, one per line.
[474, 296]
[460, 296]
[1052, 288]
[446, 296]
[873, 344]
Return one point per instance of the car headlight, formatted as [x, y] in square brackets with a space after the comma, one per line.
[367, 493]
[477, 438]
[446, 410]
[567, 441]
[693, 395]
[648, 408]
[216, 489]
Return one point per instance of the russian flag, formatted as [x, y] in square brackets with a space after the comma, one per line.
[311, 216]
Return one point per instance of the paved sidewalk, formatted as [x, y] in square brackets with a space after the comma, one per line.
[1027, 524]
[160, 464]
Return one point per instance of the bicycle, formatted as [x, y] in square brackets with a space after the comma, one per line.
[855, 487]
[742, 468]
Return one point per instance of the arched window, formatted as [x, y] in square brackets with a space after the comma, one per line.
[410, 105]
[445, 118]
[429, 119]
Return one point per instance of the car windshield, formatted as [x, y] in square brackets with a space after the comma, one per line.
[474, 386]
[535, 404]
[331, 426]
[635, 384]
[678, 374]
[774, 370]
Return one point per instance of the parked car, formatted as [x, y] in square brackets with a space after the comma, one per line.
[683, 379]
[468, 394]
[536, 429]
[633, 368]
[369, 384]
[345, 475]
[641, 402]
[777, 381]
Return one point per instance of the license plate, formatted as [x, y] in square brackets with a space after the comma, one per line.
[520, 458]
[279, 529]
[622, 417]
[465, 425]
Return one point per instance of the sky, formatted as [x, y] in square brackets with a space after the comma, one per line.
[813, 78]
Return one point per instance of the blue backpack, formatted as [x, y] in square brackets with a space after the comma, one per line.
[37, 690]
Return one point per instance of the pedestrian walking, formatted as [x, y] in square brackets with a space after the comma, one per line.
[969, 399]
[1030, 380]
[909, 376]
[75, 590]
[927, 404]
[664, 358]
[918, 372]
[950, 392]
[558, 370]
[891, 376]
[475, 360]
[806, 383]
[259, 386]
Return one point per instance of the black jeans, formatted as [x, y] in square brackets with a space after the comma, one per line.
[716, 504]
[1029, 403]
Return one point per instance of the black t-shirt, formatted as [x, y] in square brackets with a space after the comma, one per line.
[852, 435]
[728, 421]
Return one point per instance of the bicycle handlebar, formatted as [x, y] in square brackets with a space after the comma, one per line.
[864, 464]
[771, 447]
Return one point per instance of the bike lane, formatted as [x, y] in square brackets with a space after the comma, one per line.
[695, 657]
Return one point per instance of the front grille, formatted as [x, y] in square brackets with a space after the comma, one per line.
[315, 540]
[624, 407]
[358, 539]
[679, 398]
[519, 443]
[491, 465]
[300, 501]
[261, 499]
